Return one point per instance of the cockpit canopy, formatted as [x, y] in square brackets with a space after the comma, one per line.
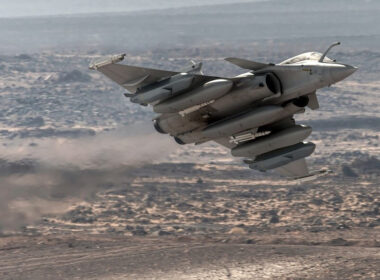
[306, 56]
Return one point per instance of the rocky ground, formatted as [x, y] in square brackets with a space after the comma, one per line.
[185, 199]
[86, 194]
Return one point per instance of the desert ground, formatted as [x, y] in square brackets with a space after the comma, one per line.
[85, 210]
[88, 189]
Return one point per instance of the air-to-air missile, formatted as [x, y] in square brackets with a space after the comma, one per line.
[251, 114]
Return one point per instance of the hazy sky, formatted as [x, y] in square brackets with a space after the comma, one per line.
[19, 8]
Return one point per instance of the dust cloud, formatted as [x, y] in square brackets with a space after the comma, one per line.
[48, 175]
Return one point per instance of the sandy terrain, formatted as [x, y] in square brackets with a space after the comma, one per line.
[100, 257]
[214, 224]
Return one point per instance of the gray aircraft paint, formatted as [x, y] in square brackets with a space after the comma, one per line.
[168, 88]
[281, 157]
[235, 112]
[209, 91]
[278, 140]
[253, 119]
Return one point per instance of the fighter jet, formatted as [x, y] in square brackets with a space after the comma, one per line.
[251, 114]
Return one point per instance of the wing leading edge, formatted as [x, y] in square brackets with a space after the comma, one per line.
[132, 78]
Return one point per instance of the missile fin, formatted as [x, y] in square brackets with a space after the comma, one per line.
[296, 168]
[313, 101]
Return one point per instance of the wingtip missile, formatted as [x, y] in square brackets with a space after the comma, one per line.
[112, 60]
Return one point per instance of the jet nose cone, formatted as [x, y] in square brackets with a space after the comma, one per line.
[350, 70]
[342, 72]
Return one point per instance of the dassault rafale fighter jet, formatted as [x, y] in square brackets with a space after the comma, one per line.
[251, 114]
